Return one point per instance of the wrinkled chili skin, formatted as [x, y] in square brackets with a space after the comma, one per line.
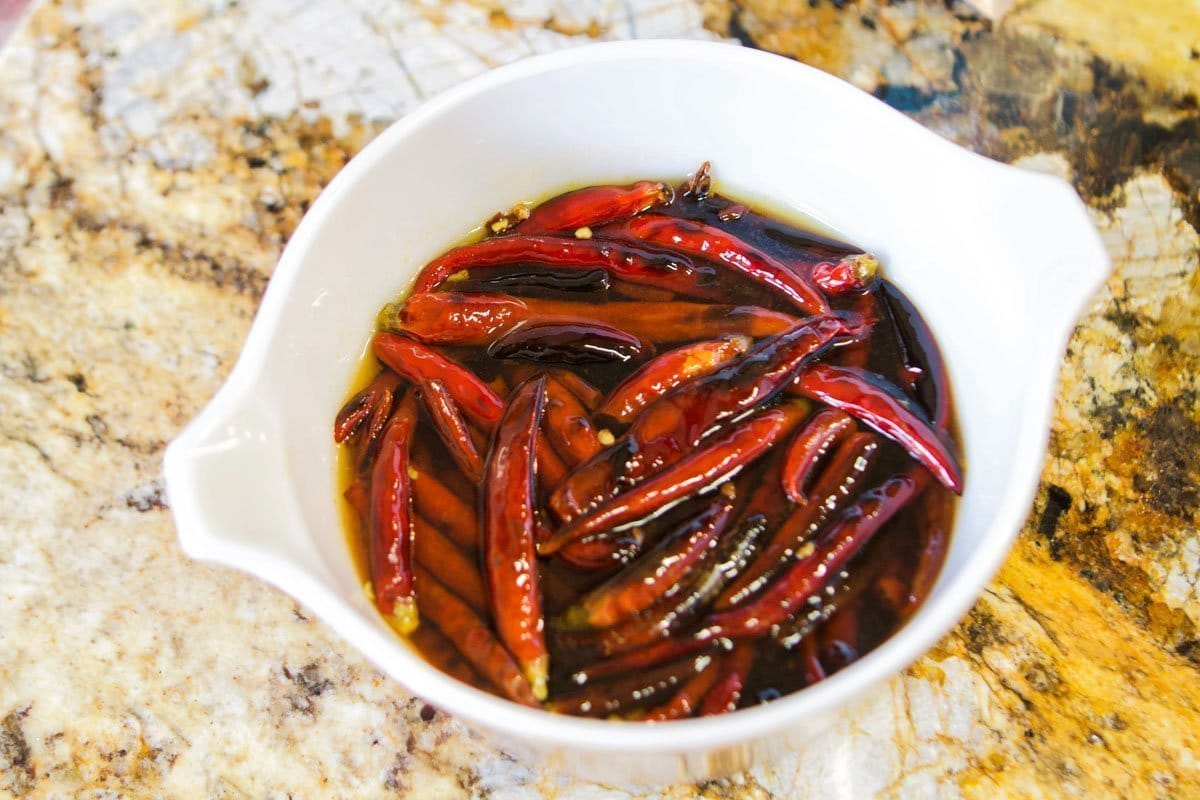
[448, 420]
[568, 343]
[510, 533]
[391, 520]
[867, 397]
[462, 319]
[594, 206]
[676, 422]
[416, 362]
[706, 242]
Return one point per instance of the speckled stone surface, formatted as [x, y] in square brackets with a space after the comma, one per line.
[156, 154]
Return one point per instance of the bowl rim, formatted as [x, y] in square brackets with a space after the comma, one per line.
[931, 622]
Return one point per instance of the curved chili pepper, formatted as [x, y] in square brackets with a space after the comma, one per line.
[451, 318]
[919, 346]
[661, 652]
[662, 374]
[567, 424]
[697, 240]
[625, 694]
[416, 362]
[509, 537]
[594, 206]
[833, 549]
[602, 553]
[589, 395]
[825, 430]
[438, 555]
[694, 473]
[624, 261]
[441, 652]
[366, 405]
[443, 507]
[448, 421]
[551, 471]
[473, 638]
[567, 343]
[934, 539]
[675, 423]
[644, 640]
[735, 671]
[883, 407]
[851, 274]
[833, 490]
[687, 700]
[653, 575]
[391, 521]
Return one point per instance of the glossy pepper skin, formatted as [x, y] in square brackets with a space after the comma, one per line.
[623, 261]
[509, 547]
[811, 443]
[449, 422]
[656, 574]
[721, 459]
[700, 241]
[594, 206]
[391, 521]
[831, 552]
[367, 405]
[668, 371]
[452, 318]
[417, 363]
[883, 407]
[675, 423]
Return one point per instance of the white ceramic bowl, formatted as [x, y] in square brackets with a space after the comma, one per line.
[999, 261]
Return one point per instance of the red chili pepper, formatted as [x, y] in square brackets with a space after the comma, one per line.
[440, 505]
[687, 700]
[697, 240]
[820, 434]
[624, 261]
[509, 534]
[833, 490]
[551, 471]
[435, 553]
[880, 405]
[833, 549]
[854, 273]
[449, 318]
[569, 342]
[675, 423]
[601, 553]
[589, 395]
[473, 638]
[568, 425]
[919, 344]
[645, 632]
[366, 405]
[655, 574]
[661, 652]
[448, 421]
[625, 694]
[391, 521]
[438, 650]
[594, 206]
[694, 473]
[416, 362]
[669, 370]
[735, 671]
[934, 519]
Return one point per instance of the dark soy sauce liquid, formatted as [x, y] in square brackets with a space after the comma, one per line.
[896, 346]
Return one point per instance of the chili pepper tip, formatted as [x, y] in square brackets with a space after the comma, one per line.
[537, 672]
[404, 618]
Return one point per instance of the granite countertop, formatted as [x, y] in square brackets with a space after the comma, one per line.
[156, 154]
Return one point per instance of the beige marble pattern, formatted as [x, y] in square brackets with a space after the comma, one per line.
[155, 155]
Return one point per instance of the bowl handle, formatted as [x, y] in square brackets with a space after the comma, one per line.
[1075, 266]
[227, 485]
